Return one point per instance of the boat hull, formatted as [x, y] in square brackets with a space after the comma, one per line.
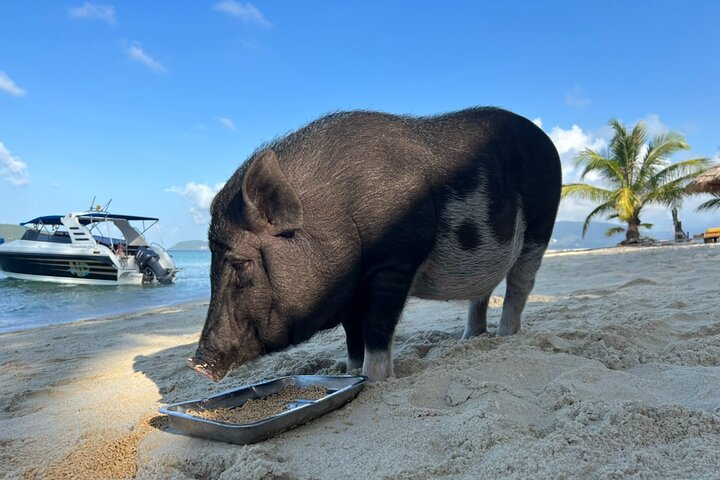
[63, 268]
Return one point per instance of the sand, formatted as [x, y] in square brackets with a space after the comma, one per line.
[615, 374]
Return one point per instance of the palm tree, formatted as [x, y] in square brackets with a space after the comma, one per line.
[712, 204]
[636, 173]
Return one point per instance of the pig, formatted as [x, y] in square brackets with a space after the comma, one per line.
[340, 221]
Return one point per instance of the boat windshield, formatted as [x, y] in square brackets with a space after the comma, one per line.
[45, 234]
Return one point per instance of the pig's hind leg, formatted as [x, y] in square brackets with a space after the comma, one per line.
[477, 318]
[520, 282]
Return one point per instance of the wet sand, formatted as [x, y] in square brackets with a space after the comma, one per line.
[616, 374]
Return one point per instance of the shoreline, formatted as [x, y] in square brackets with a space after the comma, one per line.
[111, 316]
[180, 303]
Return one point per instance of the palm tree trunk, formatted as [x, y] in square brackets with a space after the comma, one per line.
[677, 224]
[632, 234]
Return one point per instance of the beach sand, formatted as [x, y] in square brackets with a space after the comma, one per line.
[615, 374]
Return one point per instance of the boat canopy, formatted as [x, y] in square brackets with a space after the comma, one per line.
[86, 218]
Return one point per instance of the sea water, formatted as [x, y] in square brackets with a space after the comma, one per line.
[27, 304]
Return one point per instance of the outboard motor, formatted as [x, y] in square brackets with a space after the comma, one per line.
[147, 259]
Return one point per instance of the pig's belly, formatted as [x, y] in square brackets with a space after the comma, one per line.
[452, 272]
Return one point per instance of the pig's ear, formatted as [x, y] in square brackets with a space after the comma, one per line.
[269, 198]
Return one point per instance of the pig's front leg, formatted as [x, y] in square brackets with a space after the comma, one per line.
[355, 342]
[384, 294]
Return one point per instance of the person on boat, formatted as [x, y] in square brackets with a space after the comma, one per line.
[121, 254]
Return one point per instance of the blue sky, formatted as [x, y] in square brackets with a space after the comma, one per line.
[155, 104]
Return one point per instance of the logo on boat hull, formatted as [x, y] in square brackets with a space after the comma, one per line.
[79, 269]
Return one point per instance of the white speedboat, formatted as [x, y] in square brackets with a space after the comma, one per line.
[86, 248]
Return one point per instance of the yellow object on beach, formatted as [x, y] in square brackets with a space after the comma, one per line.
[711, 235]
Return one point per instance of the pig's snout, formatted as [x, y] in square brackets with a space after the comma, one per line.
[205, 368]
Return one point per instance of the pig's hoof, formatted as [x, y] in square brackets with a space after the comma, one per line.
[377, 365]
[507, 331]
[467, 335]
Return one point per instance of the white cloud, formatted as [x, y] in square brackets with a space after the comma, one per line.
[653, 125]
[538, 122]
[571, 142]
[200, 196]
[247, 12]
[137, 54]
[227, 122]
[577, 98]
[94, 11]
[12, 168]
[7, 85]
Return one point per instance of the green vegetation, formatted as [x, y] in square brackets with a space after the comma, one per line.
[636, 173]
[712, 204]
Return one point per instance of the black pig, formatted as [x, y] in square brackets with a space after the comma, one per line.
[338, 222]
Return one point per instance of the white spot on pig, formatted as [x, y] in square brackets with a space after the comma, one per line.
[457, 273]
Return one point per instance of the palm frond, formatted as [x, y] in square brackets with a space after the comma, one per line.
[664, 145]
[647, 225]
[636, 146]
[671, 191]
[618, 146]
[710, 205]
[614, 231]
[599, 210]
[687, 168]
[596, 162]
[658, 152]
[586, 192]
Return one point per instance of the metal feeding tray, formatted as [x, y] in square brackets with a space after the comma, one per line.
[339, 390]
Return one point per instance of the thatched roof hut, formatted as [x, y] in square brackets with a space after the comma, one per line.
[706, 182]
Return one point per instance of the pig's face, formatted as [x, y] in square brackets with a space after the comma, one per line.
[254, 219]
[240, 301]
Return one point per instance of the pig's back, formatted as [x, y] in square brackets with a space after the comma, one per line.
[492, 179]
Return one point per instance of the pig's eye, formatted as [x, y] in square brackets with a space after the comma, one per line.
[240, 264]
[242, 276]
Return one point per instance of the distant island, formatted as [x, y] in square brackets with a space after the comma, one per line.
[194, 245]
[568, 235]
